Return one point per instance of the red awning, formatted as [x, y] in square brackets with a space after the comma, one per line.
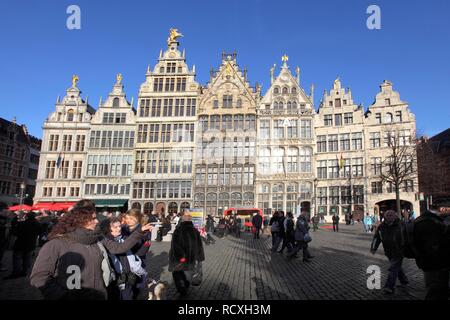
[22, 207]
[53, 206]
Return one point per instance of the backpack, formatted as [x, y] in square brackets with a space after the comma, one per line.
[407, 240]
[275, 227]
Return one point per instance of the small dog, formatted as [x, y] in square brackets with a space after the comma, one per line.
[157, 290]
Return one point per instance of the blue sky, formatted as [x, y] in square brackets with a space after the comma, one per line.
[38, 54]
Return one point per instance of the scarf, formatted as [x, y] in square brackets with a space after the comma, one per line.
[84, 236]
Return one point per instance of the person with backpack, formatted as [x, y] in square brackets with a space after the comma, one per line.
[389, 233]
[257, 222]
[275, 230]
[432, 244]
[302, 238]
[289, 239]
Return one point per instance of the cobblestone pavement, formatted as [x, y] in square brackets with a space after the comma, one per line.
[243, 268]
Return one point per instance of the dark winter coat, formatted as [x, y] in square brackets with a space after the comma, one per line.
[142, 247]
[79, 248]
[209, 225]
[301, 228]
[281, 221]
[432, 242]
[186, 243]
[289, 230]
[27, 233]
[391, 237]
[336, 219]
[257, 221]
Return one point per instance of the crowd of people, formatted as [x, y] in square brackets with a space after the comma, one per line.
[104, 256]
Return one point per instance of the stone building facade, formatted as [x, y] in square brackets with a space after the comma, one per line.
[64, 149]
[224, 145]
[109, 162]
[165, 134]
[225, 159]
[19, 155]
[285, 122]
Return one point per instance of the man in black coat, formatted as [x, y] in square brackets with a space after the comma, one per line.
[27, 233]
[390, 234]
[335, 222]
[432, 243]
[257, 224]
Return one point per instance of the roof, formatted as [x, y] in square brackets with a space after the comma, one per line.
[441, 141]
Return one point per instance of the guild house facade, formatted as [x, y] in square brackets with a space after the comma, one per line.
[224, 144]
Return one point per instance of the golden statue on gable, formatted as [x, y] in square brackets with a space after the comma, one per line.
[173, 36]
[119, 78]
[74, 80]
[228, 70]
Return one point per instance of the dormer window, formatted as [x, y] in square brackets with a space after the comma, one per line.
[330, 103]
[171, 67]
[116, 102]
[70, 115]
[180, 69]
[388, 118]
[337, 103]
[161, 69]
[294, 90]
[387, 102]
[285, 90]
[276, 90]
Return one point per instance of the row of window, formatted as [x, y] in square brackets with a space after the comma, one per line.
[328, 119]
[277, 160]
[163, 161]
[389, 117]
[284, 90]
[108, 139]
[109, 166]
[344, 168]
[171, 67]
[170, 132]
[114, 117]
[228, 122]
[70, 116]
[340, 195]
[67, 142]
[331, 143]
[167, 107]
[377, 186]
[8, 150]
[177, 189]
[237, 150]
[285, 128]
[176, 84]
[61, 192]
[60, 170]
[225, 175]
[106, 189]
[227, 102]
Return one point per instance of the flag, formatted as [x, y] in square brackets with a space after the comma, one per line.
[341, 162]
[58, 162]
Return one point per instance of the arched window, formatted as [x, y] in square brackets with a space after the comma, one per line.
[289, 105]
[136, 205]
[389, 118]
[249, 197]
[211, 203]
[199, 200]
[148, 208]
[276, 90]
[224, 200]
[305, 190]
[116, 102]
[285, 90]
[294, 105]
[275, 105]
[70, 115]
[173, 207]
[291, 197]
[294, 90]
[277, 196]
[184, 205]
[236, 199]
[264, 188]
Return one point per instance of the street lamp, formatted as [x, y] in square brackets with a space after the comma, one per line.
[22, 188]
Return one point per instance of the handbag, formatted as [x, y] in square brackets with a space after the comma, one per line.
[307, 238]
[197, 274]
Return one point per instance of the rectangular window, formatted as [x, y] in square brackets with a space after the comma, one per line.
[154, 133]
[305, 128]
[53, 144]
[357, 167]
[264, 129]
[333, 169]
[67, 142]
[142, 133]
[50, 170]
[345, 142]
[376, 166]
[179, 108]
[338, 120]
[216, 104]
[278, 129]
[357, 141]
[377, 187]
[144, 109]
[378, 117]
[322, 169]
[321, 143]
[358, 194]
[292, 132]
[337, 103]
[333, 143]
[190, 107]
[328, 120]
[158, 84]
[156, 107]
[76, 170]
[348, 118]
[374, 140]
[165, 132]
[168, 104]
[398, 116]
[322, 196]
[334, 195]
[79, 146]
[227, 101]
